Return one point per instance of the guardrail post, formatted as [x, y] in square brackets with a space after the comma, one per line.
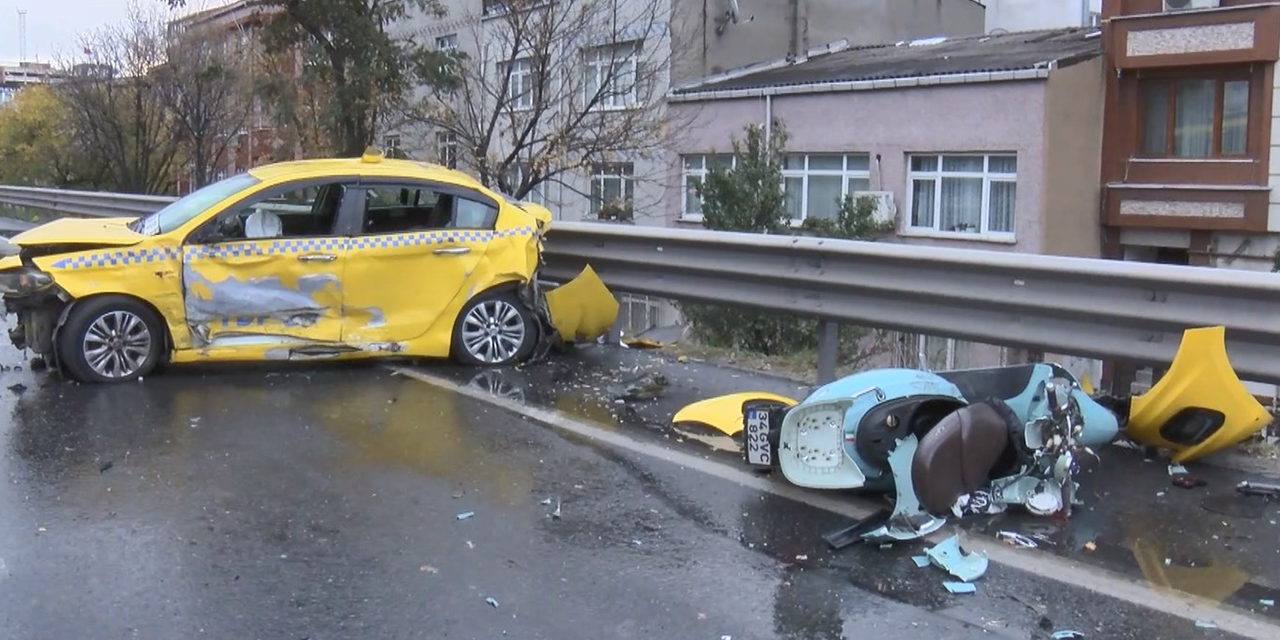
[828, 341]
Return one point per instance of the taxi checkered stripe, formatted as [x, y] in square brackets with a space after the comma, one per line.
[293, 246]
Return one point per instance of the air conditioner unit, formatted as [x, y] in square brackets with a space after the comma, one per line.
[1185, 5]
[886, 210]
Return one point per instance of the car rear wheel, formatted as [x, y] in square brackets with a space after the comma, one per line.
[110, 339]
[494, 330]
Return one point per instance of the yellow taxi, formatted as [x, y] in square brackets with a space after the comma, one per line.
[332, 258]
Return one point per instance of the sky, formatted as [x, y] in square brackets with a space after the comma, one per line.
[56, 25]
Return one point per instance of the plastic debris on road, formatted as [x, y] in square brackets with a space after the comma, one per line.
[948, 556]
[1066, 634]
[546, 502]
[1016, 539]
[1267, 603]
[465, 515]
[1205, 624]
[921, 561]
[960, 587]
[493, 603]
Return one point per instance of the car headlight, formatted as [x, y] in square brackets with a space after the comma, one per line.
[24, 280]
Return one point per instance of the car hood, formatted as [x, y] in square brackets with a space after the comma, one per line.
[96, 231]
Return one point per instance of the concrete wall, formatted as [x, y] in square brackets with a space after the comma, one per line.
[1071, 207]
[771, 29]
[1027, 15]
[1001, 116]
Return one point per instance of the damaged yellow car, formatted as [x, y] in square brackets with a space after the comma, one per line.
[337, 258]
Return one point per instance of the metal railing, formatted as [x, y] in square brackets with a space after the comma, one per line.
[1088, 307]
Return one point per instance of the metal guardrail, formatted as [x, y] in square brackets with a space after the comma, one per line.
[1088, 307]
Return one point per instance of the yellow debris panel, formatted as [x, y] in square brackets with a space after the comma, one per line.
[1199, 406]
[724, 413]
[582, 309]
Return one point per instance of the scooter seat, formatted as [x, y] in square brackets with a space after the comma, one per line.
[957, 455]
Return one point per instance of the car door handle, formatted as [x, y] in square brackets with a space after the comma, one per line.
[318, 257]
[453, 251]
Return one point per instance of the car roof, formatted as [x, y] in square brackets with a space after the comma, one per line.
[355, 166]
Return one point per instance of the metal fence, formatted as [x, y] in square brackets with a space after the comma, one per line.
[1088, 307]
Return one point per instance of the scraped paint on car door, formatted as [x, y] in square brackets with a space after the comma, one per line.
[268, 270]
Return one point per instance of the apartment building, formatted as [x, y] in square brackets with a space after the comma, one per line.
[1191, 153]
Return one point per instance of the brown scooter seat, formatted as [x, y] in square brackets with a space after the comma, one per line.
[957, 455]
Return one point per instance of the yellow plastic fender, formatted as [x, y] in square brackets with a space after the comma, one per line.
[582, 309]
[724, 413]
[1200, 406]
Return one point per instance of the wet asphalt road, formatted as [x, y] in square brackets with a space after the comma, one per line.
[320, 503]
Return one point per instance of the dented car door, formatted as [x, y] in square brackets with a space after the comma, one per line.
[269, 269]
[417, 246]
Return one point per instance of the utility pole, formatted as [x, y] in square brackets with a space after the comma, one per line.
[22, 36]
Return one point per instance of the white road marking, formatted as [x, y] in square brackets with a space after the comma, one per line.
[1045, 565]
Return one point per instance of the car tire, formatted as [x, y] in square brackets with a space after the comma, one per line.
[494, 330]
[111, 339]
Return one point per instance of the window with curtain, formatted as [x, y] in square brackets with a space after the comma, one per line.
[1194, 117]
[610, 76]
[816, 183]
[963, 193]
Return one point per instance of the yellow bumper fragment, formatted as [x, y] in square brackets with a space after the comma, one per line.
[582, 309]
[724, 413]
[1199, 406]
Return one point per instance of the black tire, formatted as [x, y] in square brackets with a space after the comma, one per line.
[107, 312]
[484, 306]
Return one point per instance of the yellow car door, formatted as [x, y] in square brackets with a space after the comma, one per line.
[417, 247]
[269, 270]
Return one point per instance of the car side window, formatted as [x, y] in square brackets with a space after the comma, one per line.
[288, 211]
[402, 209]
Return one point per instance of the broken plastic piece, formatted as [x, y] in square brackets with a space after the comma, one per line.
[1176, 469]
[724, 413]
[948, 556]
[464, 516]
[547, 502]
[1205, 624]
[493, 603]
[1259, 489]
[921, 561]
[1016, 539]
[1065, 634]
[960, 587]
[1267, 603]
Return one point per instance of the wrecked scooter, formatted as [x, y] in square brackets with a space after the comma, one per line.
[978, 440]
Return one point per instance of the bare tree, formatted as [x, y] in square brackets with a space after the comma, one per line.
[206, 86]
[115, 111]
[551, 88]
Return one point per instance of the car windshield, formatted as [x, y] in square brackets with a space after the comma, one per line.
[189, 206]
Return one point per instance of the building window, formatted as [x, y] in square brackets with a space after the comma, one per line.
[695, 171]
[963, 193]
[816, 183]
[611, 72]
[520, 84]
[612, 191]
[447, 44]
[515, 177]
[391, 146]
[1195, 118]
[494, 7]
[447, 149]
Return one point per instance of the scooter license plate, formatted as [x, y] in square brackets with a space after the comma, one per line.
[756, 438]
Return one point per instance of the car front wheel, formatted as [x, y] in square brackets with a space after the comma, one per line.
[494, 330]
[110, 339]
